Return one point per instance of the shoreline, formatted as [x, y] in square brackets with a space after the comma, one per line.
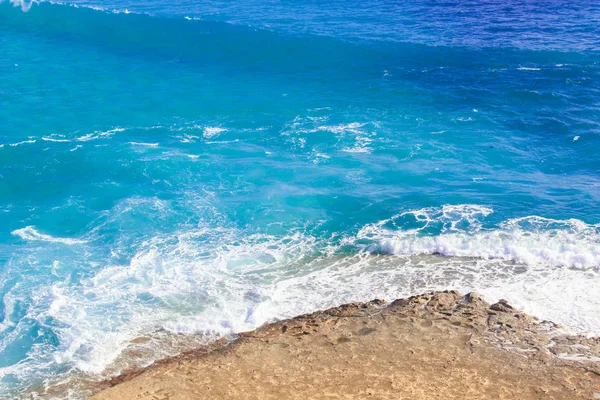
[435, 345]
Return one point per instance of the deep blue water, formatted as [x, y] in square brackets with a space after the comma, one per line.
[200, 169]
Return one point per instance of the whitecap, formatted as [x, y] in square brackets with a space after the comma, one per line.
[99, 134]
[352, 127]
[23, 142]
[32, 234]
[222, 141]
[356, 149]
[211, 131]
[189, 138]
[458, 232]
[142, 144]
[53, 139]
[25, 5]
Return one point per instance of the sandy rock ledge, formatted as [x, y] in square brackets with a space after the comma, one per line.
[440, 345]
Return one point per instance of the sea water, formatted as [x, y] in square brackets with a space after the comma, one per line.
[176, 172]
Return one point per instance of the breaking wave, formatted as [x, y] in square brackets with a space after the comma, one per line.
[212, 282]
[457, 231]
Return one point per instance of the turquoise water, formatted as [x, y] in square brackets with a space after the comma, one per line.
[183, 169]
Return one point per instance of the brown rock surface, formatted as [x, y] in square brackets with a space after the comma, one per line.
[435, 346]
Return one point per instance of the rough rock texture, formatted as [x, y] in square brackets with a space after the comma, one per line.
[439, 345]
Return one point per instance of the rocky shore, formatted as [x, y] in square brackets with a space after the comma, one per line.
[440, 345]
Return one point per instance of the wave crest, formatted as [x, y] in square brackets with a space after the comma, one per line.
[461, 231]
[30, 233]
[25, 5]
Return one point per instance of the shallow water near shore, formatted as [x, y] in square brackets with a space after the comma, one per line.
[184, 169]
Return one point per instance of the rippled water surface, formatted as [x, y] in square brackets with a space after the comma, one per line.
[171, 173]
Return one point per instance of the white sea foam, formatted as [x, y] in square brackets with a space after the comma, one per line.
[211, 131]
[55, 139]
[189, 138]
[528, 69]
[353, 127]
[215, 280]
[9, 303]
[351, 137]
[318, 157]
[25, 5]
[32, 234]
[356, 149]
[528, 240]
[142, 144]
[222, 141]
[99, 135]
[30, 141]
